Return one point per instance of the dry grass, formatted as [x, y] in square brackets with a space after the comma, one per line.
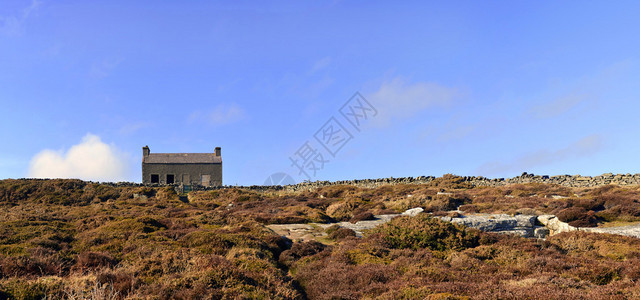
[570, 266]
[72, 239]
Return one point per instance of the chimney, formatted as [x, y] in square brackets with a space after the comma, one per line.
[145, 151]
[218, 151]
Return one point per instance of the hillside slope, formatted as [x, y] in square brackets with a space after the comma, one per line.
[75, 239]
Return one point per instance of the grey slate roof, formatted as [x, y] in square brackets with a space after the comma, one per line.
[182, 158]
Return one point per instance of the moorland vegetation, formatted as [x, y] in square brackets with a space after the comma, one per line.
[74, 239]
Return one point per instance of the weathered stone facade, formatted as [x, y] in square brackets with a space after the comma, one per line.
[203, 169]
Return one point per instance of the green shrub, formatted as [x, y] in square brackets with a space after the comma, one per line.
[19, 289]
[332, 228]
[341, 233]
[425, 232]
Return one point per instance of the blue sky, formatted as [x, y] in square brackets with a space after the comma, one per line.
[492, 88]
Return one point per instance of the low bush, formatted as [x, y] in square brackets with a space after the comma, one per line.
[423, 231]
[341, 211]
[469, 208]
[93, 260]
[332, 228]
[120, 282]
[363, 216]
[341, 233]
[449, 181]
[300, 250]
[578, 216]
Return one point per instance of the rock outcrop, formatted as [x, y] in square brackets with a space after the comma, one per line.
[532, 226]
[529, 226]
[630, 230]
[554, 224]
[522, 225]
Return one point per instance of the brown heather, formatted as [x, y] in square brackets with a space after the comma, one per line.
[71, 239]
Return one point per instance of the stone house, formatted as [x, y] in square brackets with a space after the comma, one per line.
[182, 168]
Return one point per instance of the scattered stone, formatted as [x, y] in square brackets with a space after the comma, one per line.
[554, 224]
[523, 232]
[413, 212]
[630, 230]
[521, 225]
[525, 220]
[541, 232]
[141, 197]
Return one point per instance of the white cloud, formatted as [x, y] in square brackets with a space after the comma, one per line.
[396, 100]
[14, 25]
[582, 148]
[91, 159]
[221, 115]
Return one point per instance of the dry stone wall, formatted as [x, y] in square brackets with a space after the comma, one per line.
[563, 180]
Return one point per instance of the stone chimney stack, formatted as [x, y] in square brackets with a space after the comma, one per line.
[145, 151]
[218, 151]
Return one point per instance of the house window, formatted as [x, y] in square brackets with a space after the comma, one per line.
[155, 178]
[170, 179]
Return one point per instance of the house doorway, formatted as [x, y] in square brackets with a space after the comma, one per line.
[155, 178]
[170, 179]
[206, 180]
[186, 180]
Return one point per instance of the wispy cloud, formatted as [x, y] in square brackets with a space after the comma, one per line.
[396, 100]
[221, 115]
[320, 65]
[103, 68]
[558, 106]
[14, 25]
[456, 133]
[586, 146]
[134, 127]
[91, 159]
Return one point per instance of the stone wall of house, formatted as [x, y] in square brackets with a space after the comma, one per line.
[193, 172]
